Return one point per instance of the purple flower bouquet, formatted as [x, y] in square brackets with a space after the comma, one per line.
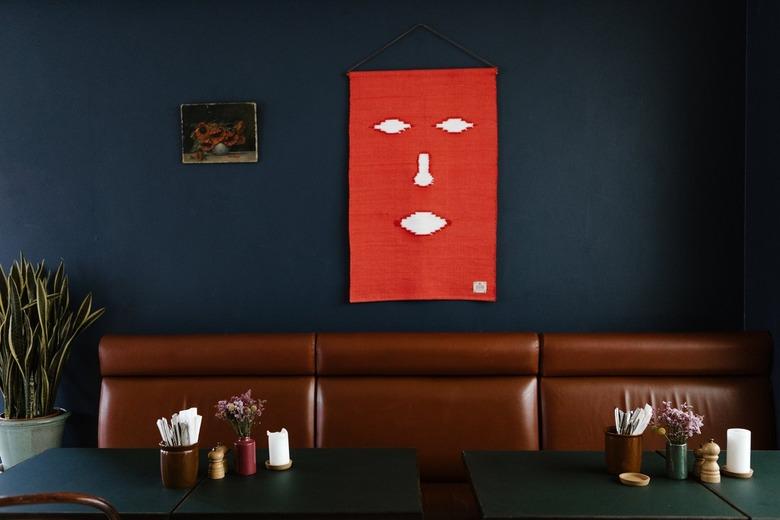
[677, 424]
[241, 411]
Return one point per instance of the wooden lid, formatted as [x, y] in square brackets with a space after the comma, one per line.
[634, 479]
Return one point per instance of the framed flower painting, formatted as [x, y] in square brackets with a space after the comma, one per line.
[219, 133]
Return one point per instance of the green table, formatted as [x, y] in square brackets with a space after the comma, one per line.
[757, 497]
[549, 484]
[129, 479]
[343, 483]
[333, 483]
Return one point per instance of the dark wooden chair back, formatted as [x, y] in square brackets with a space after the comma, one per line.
[62, 498]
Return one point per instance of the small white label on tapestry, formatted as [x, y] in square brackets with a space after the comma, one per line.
[480, 287]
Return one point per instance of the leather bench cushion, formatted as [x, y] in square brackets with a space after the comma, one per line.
[449, 501]
[130, 406]
[207, 355]
[427, 353]
[439, 416]
[624, 354]
[576, 410]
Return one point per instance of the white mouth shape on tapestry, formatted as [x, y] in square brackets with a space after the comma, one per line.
[423, 223]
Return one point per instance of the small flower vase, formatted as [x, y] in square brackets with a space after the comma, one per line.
[246, 456]
[677, 461]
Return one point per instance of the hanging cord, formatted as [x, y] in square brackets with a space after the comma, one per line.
[406, 33]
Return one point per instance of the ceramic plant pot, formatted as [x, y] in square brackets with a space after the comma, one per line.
[21, 439]
[677, 461]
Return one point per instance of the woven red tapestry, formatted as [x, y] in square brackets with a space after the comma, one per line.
[423, 163]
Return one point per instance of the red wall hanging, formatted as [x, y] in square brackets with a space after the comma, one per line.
[423, 163]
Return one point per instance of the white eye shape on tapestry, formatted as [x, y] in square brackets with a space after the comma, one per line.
[423, 177]
[392, 126]
[454, 125]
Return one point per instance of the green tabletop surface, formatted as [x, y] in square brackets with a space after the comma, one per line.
[549, 484]
[129, 479]
[332, 483]
[759, 496]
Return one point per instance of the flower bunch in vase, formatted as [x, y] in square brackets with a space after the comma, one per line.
[677, 425]
[242, 412]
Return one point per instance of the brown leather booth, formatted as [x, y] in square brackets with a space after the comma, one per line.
[585, 376]
[440, 393]
[148, 377]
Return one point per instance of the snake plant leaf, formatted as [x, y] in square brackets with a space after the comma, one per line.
[58, 363]
[29, 370]
[29, 305]
[64, 331]
[30, 278]
[97, 313]
[37, 330]
[91, 315]
[84, 311]
[15, 334]
[16, 275]
[58, 275]
[45, 389]
[3, 292]
[65, 303]
[8, 390]
[60, 289]
[16, 370]
[29, 350]
[42, 305]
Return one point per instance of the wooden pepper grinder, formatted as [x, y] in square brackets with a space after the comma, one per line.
[699, 461]
[710, 471]
[217, 462]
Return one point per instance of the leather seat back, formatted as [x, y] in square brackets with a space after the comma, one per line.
[725, 376]
[148, 377]
[440, 393]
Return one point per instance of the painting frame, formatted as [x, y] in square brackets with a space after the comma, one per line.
[219, 132]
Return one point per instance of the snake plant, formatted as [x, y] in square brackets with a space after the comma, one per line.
[37, 329]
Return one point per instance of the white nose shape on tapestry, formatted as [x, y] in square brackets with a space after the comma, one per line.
[423, 177]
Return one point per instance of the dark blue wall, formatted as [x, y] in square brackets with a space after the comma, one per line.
[762, 238]
[621, 163]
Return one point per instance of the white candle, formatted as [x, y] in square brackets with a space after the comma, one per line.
[738, 450]
[278, 448]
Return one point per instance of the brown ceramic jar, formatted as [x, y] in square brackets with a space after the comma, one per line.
[179, 466]
[623, 452]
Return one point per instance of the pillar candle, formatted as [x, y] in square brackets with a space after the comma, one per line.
[278, 448]
[738, 450]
